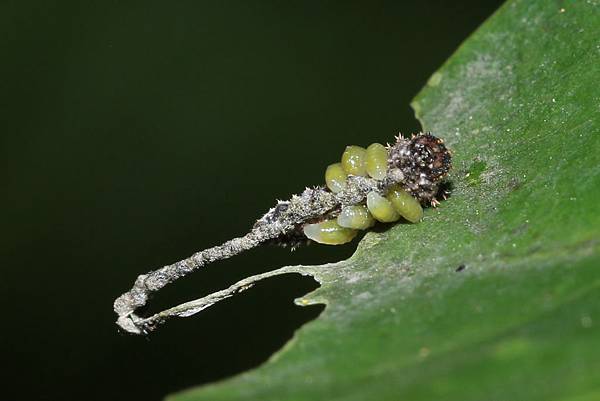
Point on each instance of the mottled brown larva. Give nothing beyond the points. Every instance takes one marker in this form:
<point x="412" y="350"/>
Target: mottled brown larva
<point x="378" y="183"/>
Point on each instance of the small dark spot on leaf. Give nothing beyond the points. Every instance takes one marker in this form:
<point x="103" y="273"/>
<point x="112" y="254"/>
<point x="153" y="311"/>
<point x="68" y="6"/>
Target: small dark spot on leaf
<point x="460" y="268"/>
<point x="514" y="184"/>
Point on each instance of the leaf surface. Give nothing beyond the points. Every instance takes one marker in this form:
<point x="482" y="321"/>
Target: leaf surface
<point x="495" y="295"/>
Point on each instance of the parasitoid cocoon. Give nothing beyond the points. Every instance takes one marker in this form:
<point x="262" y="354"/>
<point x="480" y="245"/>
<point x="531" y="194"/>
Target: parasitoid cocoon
<point x="357" y="217"/>
<point x="407" y="206"/>
<point x="329" y="232"/>
<point x="335" y="177"/>
<point x="354" y="160"/>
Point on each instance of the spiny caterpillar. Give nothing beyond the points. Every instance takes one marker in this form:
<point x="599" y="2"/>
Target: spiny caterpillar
<point x="378" y="183"/>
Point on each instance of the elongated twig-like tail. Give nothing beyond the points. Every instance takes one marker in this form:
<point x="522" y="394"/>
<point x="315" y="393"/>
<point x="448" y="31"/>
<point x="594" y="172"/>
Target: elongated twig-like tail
<point x="146" y="284"/>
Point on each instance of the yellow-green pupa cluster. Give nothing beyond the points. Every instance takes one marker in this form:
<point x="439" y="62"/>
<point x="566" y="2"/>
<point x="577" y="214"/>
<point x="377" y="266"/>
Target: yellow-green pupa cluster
<point x="397" y="203"/>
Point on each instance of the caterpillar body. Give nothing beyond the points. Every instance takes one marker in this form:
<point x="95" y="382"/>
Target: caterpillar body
<point x="404" y="177"/>
<point x="376" y="184"/>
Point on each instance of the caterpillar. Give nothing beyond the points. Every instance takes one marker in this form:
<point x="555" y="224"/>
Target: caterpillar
<point x="376" y="184"/>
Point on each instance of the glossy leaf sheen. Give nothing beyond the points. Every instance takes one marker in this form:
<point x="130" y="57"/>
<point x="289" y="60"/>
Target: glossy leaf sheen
<point x="495" y="295"/>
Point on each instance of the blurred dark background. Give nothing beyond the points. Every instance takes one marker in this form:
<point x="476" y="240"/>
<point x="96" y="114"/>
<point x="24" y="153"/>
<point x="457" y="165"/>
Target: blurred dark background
<point x="136" y="133"/>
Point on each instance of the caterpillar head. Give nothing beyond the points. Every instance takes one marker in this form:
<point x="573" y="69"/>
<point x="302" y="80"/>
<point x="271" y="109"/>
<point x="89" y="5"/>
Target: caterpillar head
<point x="424" y="161"/>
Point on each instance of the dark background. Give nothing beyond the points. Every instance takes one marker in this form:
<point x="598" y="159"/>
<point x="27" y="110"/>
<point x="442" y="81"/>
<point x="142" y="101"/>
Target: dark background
<point x="135" y="133"/>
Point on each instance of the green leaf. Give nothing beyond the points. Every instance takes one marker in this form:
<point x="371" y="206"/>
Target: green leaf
<point x="496" y="294"/>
